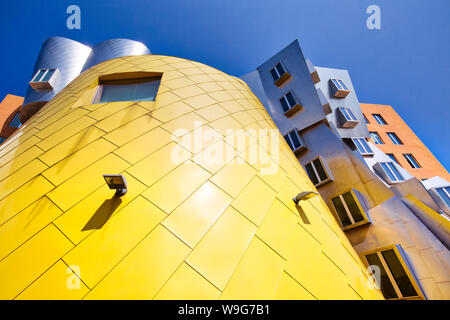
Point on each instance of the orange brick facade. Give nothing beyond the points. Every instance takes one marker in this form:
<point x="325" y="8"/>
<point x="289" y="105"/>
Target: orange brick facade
<point x="7" y="111"/>
<point x="429" y="165"/>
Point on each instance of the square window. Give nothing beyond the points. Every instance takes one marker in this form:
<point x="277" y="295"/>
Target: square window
<point x="349" y="210"/>
<point x="347" y="118"/>
<point x="395" y="139"/>
<point x="289" y="104"/>
<point x="338" y="88"/>
<point x="379" y="119"/>
<point x="294" y="141"/>
<point x="44" y="79"/>
<point x="389" y="172"/>
<point x="15" y="122"/>
<point x="376" y="138"/>
<point x="362" y="146"/>
<point x="318" y="172"/>
<point x="141" y="89"/>
<point x="279" y="74"/>
<point x="392" y="271"/>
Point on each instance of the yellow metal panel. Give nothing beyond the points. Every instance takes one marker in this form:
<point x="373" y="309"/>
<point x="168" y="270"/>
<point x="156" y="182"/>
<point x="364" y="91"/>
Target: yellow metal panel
<point x="109" y="108"/>
<point x="120" y="118"/>
<point x="200" y="78"/>
<point x="69" y="146"/>
<point x="243" y="117"/>
<point x="186" y="283"/>
<point x="193" y="218"/>
<point x="93" y="211"/>
<point x="8" y="168"/>
<point x="226" y="123"/>
<point x="216" y="156"/>
<point x="79" y="186"/>
<point x="187" y="92"/>
<point x="77" y="161"/>
<point x="255" y="200"/>
<point x="101" y="251"/>
<point x="180" y="125"/>
<point x="234" y="177"/>
<point x="257" y="275"/>
<point x="20" y="177"/>
<point x="17" y="148"/>
<point x="132" y="129"/>
<point x="200" y="101"/>
<point x="210" y="86"/>
<point x="65" y="133"/>
<point x="171" y="111"/>
<point x="144" y="145"/>
<point x="289" y="289"/>
<point x="176" y="186"/>
<point x="166" y="98"/>
<point x="199" y="139"/>
<point x="142" y="273"/>
<point x="25" y="224"/>
<point x="220" y="96"/>
<point x="61" y="123"/>
<point x="28" y="262"/>
<point x="218" y="253"/>
<point x="57" y="283"/>
<point x="213" y="112"/>
<point x="176" y="83"/>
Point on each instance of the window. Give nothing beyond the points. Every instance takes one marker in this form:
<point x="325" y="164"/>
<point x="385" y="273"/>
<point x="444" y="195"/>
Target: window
<point x="349" y="210"/>
<point x="348" y="119"/>
<point x="143" y="89"/>
<point x="44" y="79"/>
<point x="444" y="193"/>
<point x="379" y="119"/>
<point x="317" y="172"/>
<point x="363" y="146"/>
<point x="411" y="160"/>
<point x="396" y="279"/>
<point x="391" y="171"/>
<point x="294" y="141"/>
<point x="279" y="74"/>
<point x="2" y="139"/>
<point x="15" y="122"/>
<point x="394" y="138"/>
<point x="376" y="138"/>
<point x="289" y="104"/>
<point x="365" y="118"/>
<point x="338" y="88"/>
<point x="393" y="158"/>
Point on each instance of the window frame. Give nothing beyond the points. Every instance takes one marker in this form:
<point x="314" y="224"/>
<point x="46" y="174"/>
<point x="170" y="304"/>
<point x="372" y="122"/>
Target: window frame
<point x="371" y="153"/>
<point x="339" y="88"/>
<point x="347" y="122"/>
<point x="393" y="157"/>
<point x="365" y="119"/>
<point x="354" y="224"/>
<point x="302" y="144"/>
<point x="405" y="265"/>
<point x="394" y="138"/>
<point x="382" y="121"/>
<point x="292" y="109"/>
<point x="412" y="160"/>
<point x="40" y="83"/>
<point x="392" y="173"/>
<point x="281" y="78"/>
<point x="16" y="115"/>
<point x="371" y="133"/>
<point x="325" y="168"/>
<point x="446" y="192"/>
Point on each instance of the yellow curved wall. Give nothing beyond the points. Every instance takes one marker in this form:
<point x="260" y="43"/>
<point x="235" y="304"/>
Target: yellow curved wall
<point x="189" y="229"/>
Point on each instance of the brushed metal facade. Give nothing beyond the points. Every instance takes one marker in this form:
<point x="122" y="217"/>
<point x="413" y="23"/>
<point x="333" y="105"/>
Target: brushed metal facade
<point x="114" y="48"/>
<point x="67" y="55"/>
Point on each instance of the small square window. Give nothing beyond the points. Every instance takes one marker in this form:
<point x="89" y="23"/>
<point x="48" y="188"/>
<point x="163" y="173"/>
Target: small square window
<point x="362" y="146"/>
<point x="395" y="139"/>
<point x="44" y="79"/>
<point x="338" y="88"/>
<point x="349" y="210"/>
<point x="279" y="74"/>
<point x="294" y="141"/>
<point x="141" y="89"/>
<point x="318" y="172"/>
<point x="376" y="138"/>
<point x="390" y="267"/>
<point x="347" y="118"/>
<point x="289" y="104"/>
<point x="379" y="119"/>
<point x="411" y="160"/>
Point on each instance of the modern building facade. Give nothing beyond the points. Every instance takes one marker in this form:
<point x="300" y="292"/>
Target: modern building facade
<point x="9" y="115"/>
<point x="259" y="187"/>
<point x="396" y="139"/>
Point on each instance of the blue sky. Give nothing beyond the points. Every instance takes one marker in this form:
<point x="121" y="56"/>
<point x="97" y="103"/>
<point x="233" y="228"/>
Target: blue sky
<point x="406" y="64"/>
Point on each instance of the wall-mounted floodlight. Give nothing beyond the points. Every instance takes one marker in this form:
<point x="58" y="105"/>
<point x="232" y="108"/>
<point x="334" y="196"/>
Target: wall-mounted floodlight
<point x="116" y="182"/>
<point x="305" y="195"/>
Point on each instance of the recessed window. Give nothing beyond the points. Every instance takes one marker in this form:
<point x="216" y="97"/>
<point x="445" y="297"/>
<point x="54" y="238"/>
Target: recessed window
<point x="2" y="139"/>
<point x="289" y="104"/>
<point x="396" y="278"/>
<point x="279" y="74"/>
<point x="391" y="172"/>
<point x="444" y="193"/>
<point x="411" y="160"/>
<point x="142" y="89"/>
<point x="365" y="118"/>
<point x="379" y="119"/>
<point x="363" y="146"/>
<point x="338" y="88"/>
<point x="393" y="158"/>
<point x="15" y="122"/>
<point x="376" y="138"/>
<point x="44" y="79"/>
<point x="395" y="139"/>
<point x="318" y="172"/>
<point x="349" y="210"/>
<point x="294" y="141"/>
<point x="347" y="118"/>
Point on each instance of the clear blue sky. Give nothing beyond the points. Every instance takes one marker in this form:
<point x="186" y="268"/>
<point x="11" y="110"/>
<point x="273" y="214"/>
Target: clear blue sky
<point x="405" y="64"/>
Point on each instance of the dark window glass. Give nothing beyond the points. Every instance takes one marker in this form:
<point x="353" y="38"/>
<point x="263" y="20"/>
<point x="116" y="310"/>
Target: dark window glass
<point x="365" y="118"/>
<point x="337" y="203"/>
<point x="386" y="285"/>
<point x="290" y="98"/>
<point x="284" y="104"/>
<point x="390" y="155"/>
<point x="353" y="207"/>
<point x="286" y="137"/>
<point x="400" y="276"/>
<point x="38" y="76"/>
<point x="48" y="75"/>
<point x="280" y="69"/>
<point x="379" y="119"/>
<point x="130" y="90"/>
<point x="444" y="195"/>
<point x="343" y="85"/>
<point x="411" y="160"/>
<point x="15" y="122"/>
<point x="274" y="74"/>
<point x="320" y="170"/>
<point x="2" y="139"/>
<point x="311" y="174"/>
<point x="336" y="83"/>
<point x="295" y="139"/>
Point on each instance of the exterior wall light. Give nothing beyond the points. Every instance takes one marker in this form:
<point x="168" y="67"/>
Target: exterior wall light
<point x="305" y="195"/>
<point x="116" y="182"/>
